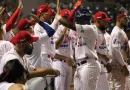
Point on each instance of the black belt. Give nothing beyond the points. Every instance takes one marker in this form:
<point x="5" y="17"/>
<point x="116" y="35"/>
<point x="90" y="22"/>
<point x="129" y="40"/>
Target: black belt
<point x="83" y="62"/>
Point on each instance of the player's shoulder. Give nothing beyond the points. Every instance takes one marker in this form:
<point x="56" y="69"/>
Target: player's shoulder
<point x="116" y="31"/>
<point x="89" y="26"/>
<point x="4" y="42"/>
<point x="11" y="52"/>
<point x="36" y="25"/>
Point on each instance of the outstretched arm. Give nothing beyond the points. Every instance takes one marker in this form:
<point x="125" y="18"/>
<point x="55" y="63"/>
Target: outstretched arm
<point x="65" y="22"/>
<point x="14" y="17"/>
<point x="76" y="7"/>
<point x="39" y="72"/>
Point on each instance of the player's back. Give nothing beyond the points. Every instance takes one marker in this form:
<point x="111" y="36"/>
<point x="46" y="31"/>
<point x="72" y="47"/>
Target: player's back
<point x="86" y="41"/>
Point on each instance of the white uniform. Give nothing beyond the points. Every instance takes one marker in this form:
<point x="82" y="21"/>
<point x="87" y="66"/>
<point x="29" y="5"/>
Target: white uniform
<point x="5" y="46"/>
<point x="36" y="57"/>
<point x="48" y="47"/>
<point x="88" y="68"/>
<point x="63" y="81"/>
<point x="32" y="83"/>
<point x="5" y="85"/>
<point x="118" y="45"/>
<point x="128" y="78"/>
<point x="8" y="35"/>
<point x="102" y="48"/>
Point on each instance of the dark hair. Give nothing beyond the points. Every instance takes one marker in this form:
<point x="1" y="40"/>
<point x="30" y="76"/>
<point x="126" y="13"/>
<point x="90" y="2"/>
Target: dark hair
<point x="12" y="70"/>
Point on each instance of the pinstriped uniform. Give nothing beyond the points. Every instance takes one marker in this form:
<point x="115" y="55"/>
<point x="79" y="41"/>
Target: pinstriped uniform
<point x="86" y="74"/>
<point x="102" y="48"/>
<point x="127" y="87"/>
<point x="63" y="81"/>
<point x="118" y="44"/>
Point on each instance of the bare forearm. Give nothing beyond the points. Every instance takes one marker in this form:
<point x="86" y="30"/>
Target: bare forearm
<point x="103" y="56"/>
<point x="60" y="40"/>
<point x="60" y="57"/>
<point x="67" y="23"/>
<point x="41" y="72"/>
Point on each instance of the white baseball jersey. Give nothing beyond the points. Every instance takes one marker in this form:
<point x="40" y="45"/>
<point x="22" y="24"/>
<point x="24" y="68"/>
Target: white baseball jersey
<point x="5" y="46"/>
<point x="118" y="45"/>
<point x="5" y="85"/>
<point x="102" y="45"/>
<point x="64" y="80"/>
<point x="86" y="42"/>
<point x="102" y="48"/>
<point x="66" y="48"/>
<point x="86" y="74"/>
<point x="128" y="78"/>
<point x="38" y="82"/>
<point x="36" y="57"/>
<point x="12" y="54"/>
<point x="8" y="35"/>
<point x="127" y="87"/>
<point x="47" y="48"/>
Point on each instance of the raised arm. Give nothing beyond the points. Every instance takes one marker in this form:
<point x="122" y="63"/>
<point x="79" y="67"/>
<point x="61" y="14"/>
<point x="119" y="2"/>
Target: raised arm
<point x="76" y="7"/>
<point x="66" y="22"/>
<point x="14" y="17"/>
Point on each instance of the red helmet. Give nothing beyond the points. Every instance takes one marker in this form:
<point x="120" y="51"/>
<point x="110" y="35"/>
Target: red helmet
<point x="65" y="12"/>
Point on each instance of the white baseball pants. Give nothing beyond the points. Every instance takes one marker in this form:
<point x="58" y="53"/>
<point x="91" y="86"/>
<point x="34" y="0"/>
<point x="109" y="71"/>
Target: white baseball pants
<point x="63" y="81"/>
<point x="86" y="75"/>
<point x="103" y="83"/>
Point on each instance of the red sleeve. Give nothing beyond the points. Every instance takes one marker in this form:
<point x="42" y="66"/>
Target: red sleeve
<point x="12" y="20"/>
<point x="76" y="7"/>
<point x="70" y="17"/>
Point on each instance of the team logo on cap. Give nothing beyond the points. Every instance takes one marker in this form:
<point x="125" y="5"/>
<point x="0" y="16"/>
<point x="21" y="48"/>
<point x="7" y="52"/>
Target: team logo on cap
<point x="22" y="40"/>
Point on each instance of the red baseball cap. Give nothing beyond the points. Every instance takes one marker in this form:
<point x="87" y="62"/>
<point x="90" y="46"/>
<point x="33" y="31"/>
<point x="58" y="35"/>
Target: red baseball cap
<point x="23" y="36"/>
<point x="24" y="23"/>
<point x="101" y="15"/>
<point x="64" y="12"/>
<point x="42" y="9"/>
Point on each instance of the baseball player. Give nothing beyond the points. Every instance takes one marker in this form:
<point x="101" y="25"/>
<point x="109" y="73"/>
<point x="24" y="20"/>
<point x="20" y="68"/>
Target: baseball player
<point x="48" y="50"/>
<point x="5" y="46"/>
<point x="102" y="48"/>
<point x="36" y="56"/>
<point x="88" y="68"/>
<point x="118" y="45"/>
<point x="23" y="45"/>
<point x="9" y="21"/>
<point x="63" y="81"/>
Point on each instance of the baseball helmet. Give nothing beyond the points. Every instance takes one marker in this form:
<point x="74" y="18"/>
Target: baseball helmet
<point x="82" y="14"/>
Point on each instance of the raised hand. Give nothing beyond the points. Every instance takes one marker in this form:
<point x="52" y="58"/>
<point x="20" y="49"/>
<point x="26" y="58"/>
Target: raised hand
<point x="78" y="4"/>
<point x="20" y="4"/>
<point x="35" y="17"/>
<point x="1" y="11"/>
<point x="58" y="7"/>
